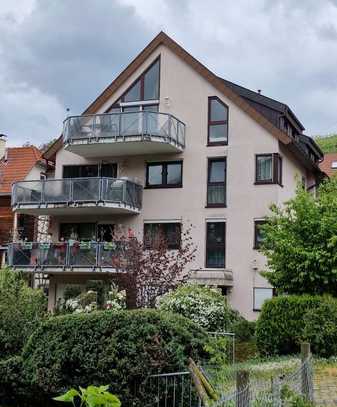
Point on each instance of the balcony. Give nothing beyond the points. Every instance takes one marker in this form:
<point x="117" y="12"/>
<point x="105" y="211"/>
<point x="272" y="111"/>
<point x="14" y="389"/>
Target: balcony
<point x="77" y="196"/>
<point x="64" y="257"/>
<point x="128" y="133"/>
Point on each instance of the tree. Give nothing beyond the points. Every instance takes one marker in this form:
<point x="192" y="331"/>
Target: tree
<point x="328" y="144"/>
<point x="300" y="242"/>
<point x="21" y="311"/>
<point x="149" y="273"/>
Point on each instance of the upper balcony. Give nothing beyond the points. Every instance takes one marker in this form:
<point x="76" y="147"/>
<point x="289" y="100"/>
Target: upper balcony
<point x="125" y="133"/>
<point x="77" y="196"/>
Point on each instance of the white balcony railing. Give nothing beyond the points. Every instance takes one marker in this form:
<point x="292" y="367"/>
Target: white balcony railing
<point x="122" y="127"/>
<point x="77" y="191"/>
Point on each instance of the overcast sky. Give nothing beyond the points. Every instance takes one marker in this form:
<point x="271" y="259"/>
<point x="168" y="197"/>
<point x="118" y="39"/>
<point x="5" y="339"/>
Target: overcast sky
<point x="59" y="54"/>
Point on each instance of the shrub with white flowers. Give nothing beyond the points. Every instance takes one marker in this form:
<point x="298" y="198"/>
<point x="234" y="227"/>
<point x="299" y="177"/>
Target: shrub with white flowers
<point x="203" y="305"/>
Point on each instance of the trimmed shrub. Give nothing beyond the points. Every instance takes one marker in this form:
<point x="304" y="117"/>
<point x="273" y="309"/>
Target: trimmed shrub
<point x="203" y="305"/>
<point x="279" y="328"/>
<point x="244" y="330"/>
<point x="11" y="379"/>
<point x="119" y="348"/>
<point x="21" y="311"/>
<point x="320" y="328"/>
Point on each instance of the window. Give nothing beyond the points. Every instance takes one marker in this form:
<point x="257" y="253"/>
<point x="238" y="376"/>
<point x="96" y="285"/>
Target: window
<point x="78" y="231"/>
<point x="260" y="296"/>
<point x="164" y="174"/>
<point x="217" y="122"/>
<point x="146" y="86"/>
<point x="87" y="171"/>
<point x="258" y="234"/>
<point x="334" y="165"/>
<point x="154" y="233"/>
<point x="268" y="169"/>
<point x="216" y="182"/>
<point x="215" y="244"/>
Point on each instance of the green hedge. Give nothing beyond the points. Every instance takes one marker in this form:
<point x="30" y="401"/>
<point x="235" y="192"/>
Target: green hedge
<point x="320" y="328"/>
<point x="280" y="326"/>
<point x="118" y="348"/>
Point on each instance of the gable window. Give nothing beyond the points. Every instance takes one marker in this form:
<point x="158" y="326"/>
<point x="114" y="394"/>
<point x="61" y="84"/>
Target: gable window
<point x="155" y="233"/>
<point x="215" y="244"/>
<point x="146" y="86"/>
<point x="268" y="169"/>
<point x="258" y="233"/>
<point x="166" y="174"/>
<point x="260" y="296"/>
<point x="216" y="182"/>
<point x="217" y="122"/>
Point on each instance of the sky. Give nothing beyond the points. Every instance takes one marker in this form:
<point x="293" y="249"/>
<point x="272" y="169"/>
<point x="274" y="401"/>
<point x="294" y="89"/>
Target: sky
<point x="60" y="54"/>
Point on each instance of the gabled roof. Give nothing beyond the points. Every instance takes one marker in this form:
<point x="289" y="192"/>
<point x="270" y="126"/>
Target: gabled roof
<point x="249" y="101"/>
<point x="326" y="164"/>
<point x="16" y="165"/>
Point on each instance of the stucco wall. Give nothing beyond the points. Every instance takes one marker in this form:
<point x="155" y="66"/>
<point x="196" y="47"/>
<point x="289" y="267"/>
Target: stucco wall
<point x="187" y="94"/>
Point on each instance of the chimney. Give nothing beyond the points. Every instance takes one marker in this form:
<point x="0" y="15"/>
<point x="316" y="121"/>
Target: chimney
<point x="2" y="145"/>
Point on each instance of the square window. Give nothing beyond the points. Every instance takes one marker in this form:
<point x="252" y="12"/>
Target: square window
<point x="166" y="174"/>
<point x="268" y="169"/>
<point x="158" y="233"/>
<point x="260" y="296"/>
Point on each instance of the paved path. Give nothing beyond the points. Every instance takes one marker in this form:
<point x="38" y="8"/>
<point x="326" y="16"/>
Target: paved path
<point x="325" y="386"/>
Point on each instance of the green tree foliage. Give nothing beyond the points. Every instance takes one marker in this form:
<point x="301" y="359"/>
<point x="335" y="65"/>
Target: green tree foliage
<point x="300" y="242"/>
<point x="203" y="305"/>
<point x="21" y="311"/>
<point x="120" y="348"/>
<point x="279" y="328"/>
<point x="328" y="144"/>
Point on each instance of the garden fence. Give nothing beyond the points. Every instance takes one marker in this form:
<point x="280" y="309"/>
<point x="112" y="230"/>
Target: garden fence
<point x="231" y="386"/>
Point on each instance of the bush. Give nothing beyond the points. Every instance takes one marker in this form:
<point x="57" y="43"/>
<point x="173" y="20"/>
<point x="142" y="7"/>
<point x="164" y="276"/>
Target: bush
<point x="118" y="348"/>
<point x="244" y="330"/>
<point x="320" y="328"/>
<point x="11" y="378"/>
<point x="279" y="328"/>
<point x="21" y="311"/>
<point x="205" y="306"/>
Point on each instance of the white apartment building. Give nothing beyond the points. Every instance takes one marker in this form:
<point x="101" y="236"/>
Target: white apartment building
<point x="167" y="144"/>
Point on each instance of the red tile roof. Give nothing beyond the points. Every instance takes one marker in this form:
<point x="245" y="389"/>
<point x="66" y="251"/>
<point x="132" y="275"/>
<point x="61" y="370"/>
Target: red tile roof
<point x="326" y="164"/>
<point x="16" y="165"/>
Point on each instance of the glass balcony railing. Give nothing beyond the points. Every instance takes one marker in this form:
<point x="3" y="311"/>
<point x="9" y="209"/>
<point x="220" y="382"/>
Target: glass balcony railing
<point x="77" y="190"/>
<point x="126" y="126"/>
<point x="89" y="255"/>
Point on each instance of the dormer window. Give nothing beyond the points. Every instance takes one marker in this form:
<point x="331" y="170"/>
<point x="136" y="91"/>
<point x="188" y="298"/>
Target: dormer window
<point x="146" y="86"/>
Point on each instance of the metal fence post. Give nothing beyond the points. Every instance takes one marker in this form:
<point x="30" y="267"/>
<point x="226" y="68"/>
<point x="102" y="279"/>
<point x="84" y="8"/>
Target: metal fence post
<point x="306" y="378"/>
<point x="242" y="388"/>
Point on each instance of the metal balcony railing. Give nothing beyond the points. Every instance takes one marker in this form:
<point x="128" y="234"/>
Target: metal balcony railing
<point x="123" y="126"/>
<point x="89" y="255"/>
<point x="77" y="190"/>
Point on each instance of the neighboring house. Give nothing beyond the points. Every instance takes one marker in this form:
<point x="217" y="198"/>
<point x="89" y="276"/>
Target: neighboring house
<point x="17" y="164"/>
<point x="167" y="144"/>
<point x="329" y="164"/>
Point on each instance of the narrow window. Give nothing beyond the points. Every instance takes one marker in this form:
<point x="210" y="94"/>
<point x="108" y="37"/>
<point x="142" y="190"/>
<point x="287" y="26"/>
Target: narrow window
<point x="260" y="296"/>
<point x="334" y="165"/>
<point x="164" y="174"/>
<point x="156" y="233"/>
<point x="258" y="233"/>
<point x="268" y="169"/>
<point x="217" y="122"/>
<point x="216" y="182"/>
<point x="215" y="244"/>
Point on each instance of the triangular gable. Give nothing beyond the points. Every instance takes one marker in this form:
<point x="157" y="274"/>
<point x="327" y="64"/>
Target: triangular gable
<point x="218" y="83"/>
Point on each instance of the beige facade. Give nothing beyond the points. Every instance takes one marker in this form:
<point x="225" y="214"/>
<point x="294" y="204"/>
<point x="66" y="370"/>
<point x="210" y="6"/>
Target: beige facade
<point x="184" y="93"/>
